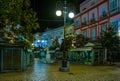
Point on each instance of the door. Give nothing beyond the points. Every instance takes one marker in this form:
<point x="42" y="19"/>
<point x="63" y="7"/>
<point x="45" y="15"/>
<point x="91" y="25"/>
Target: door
<point x="7" y="59"/>
<point x="16" y="59"/>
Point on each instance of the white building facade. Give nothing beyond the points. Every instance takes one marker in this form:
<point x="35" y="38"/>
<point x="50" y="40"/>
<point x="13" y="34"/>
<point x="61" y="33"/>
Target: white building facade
<point x="52" y="34"/>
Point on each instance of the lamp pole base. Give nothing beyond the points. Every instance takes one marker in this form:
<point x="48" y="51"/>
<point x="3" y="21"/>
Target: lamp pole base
<point x="65" y="66"/>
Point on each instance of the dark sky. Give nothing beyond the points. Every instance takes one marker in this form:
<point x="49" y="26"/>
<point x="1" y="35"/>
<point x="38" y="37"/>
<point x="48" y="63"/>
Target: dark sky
<point x="46" y="12"/>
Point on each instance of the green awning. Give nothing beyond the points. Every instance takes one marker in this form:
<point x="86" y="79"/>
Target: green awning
<point x="82" y="49"/>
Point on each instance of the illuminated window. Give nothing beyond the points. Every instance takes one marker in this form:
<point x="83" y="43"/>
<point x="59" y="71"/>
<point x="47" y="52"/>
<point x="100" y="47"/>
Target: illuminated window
<point x="85" y="34"/>
<point x="114" y="24"/>
<point x="85" y="20"/>
<point x="93" y="34"/>
<point x="93" y="17"/>
<point x="113" y="6"/>
<point x="103" y="11"/>
<point x="77" y="23"/>
<point x="104" y="28"/>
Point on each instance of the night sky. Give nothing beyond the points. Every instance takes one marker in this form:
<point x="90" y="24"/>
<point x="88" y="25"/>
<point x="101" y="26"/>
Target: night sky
<point x="46" y="12"/>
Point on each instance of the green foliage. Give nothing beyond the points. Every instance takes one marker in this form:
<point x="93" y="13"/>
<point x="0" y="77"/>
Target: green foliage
<point x="67" y="43"/>
<point x="81" y="40"/>
<point x="55" y="44"/>
<point x="10" y="11"/>
<point x="14" y="12"/>
<point x="109" y="38"/>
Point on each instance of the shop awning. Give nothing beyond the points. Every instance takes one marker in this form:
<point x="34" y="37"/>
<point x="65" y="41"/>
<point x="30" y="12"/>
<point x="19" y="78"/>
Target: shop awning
<point x="82" y="49"/>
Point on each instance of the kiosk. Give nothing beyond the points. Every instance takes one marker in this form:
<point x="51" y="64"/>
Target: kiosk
<point x="91" y="54"/>
<point x="12" y="58"/>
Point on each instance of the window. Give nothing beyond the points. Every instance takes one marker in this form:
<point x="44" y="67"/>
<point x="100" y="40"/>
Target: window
<point x="83" y="9"/>
<point x="85" y="34"/>
<point x="92" y="3"/>
<point x="93" y="17"/>
<point x="84" y="19"/>
<point x="104" y="28"/>
<point x="113" y="6"/>
<point x="93" y="34"/>
<point x="103" y="11"/>
<point x="77" y="23"/>
<point x="114" y="24"/>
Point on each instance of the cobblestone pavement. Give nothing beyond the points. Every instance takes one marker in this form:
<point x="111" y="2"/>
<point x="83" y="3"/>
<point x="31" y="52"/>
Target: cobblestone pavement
<point x="50" y="72"/>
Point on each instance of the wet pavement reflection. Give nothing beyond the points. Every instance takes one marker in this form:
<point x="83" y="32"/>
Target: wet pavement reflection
<point x="50" y="72"/>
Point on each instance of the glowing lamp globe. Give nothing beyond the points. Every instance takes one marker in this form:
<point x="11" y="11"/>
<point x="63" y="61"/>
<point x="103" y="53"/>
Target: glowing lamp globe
<point x="58" y="12"/>
<point x="71" y="14"/>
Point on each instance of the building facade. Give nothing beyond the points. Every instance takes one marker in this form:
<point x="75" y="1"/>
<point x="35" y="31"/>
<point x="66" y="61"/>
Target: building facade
<point x="97" y="15"/>
<point x="52" y="34"/>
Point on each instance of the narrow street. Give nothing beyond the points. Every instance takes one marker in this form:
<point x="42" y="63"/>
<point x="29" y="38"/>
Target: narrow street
<point x="50" y="72"/>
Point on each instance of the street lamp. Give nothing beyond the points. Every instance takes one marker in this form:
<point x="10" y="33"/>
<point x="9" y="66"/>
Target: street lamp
<point x="59" y="13"/>
<point x="63" y="8"/>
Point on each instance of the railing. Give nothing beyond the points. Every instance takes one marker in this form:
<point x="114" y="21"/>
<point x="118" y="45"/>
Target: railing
<point x="92" y="19"/>
<point x="104" y="15"/>
<point x="96" y="38"/>
<point x="83" y="23"/>
<point x="115" y="10"/>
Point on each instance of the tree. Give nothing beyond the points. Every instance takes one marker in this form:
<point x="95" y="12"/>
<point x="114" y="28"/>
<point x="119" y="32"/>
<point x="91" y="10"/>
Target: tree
<point x="81" y="40"/>
<point x="67" y="43"/>
<point x="18" y="18"/>
<point x="29" y="20"/>
<point x="55" y="44"/>
<point x="109" y="40"/>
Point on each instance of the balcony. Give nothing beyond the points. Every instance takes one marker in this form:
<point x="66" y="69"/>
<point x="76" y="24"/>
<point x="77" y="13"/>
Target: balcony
<point x="92" y="20"/>
<point x="114" y="10"/>
<point x="84" y="23"/>
<point x="94" y="39"/>
<point x="104" y="15"/>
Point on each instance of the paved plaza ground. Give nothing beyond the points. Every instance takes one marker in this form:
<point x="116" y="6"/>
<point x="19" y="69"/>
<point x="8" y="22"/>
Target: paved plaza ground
<point x="50" y="72"/>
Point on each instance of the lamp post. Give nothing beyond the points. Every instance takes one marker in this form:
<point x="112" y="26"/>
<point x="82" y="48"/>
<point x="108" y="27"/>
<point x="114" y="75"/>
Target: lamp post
<point x="64" y="10"/>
